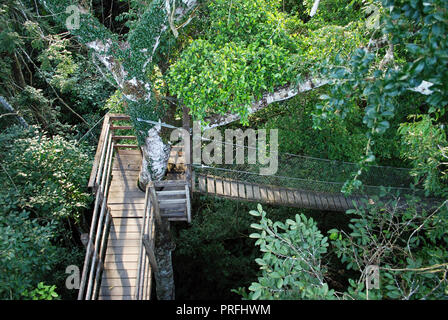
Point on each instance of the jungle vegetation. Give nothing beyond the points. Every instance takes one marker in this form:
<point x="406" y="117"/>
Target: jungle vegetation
<point x="377" y="79"/>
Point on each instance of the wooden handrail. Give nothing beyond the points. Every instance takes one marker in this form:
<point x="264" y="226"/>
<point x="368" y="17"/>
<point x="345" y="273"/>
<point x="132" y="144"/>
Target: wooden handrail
<point x="94" y="258"/>
<point x="107" y="130"/>
<point x="146" y="247"/>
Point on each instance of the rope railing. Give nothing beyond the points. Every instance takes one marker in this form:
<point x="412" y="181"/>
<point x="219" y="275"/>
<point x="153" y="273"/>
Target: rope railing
<point x="308" y="173"/>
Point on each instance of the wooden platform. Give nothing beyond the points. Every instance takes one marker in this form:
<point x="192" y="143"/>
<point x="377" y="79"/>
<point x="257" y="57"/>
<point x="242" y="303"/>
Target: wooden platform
<point x="126" y="202"/>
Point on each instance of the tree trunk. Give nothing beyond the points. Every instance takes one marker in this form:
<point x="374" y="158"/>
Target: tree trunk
<point x="163" y="247"/>
<point x="155" y="157"/>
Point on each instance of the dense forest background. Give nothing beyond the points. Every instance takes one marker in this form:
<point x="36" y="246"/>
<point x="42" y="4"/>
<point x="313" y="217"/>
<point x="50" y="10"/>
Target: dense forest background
<point x="374" y="54"/>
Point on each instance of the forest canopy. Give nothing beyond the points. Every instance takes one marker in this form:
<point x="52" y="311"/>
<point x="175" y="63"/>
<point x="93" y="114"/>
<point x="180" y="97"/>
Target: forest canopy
<point x="360" y="81"/>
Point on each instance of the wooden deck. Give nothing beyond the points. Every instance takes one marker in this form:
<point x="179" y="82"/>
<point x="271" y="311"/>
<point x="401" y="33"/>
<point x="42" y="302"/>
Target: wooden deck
<point x="126" y="202"/>
<point x="246" y="191"/>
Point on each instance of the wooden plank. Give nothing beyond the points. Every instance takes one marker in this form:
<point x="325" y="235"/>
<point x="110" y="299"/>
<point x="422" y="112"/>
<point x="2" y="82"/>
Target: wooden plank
<point x="122" y="156"/>
<point x="119" y="274"/>
<point x="263" y="194"/>
<point x="219" y="187"/>
<point x="107" y="291"/>
<point x="124" y="138"/>
<point x="227" y="188"/>
<point x="170" y="192"/>
<point x="300" y="199"/>
<point x="188" y="204"/>
<point x="117" y="265"/>
<point x="125" y="174"/>
<point x="128" y="194"/>
<point x="270" y="195"/>
<point x="124" y="152"/>
<point x="123" y="199"/>
<point x="291" y="197"/>
<point x="150" y="254"/>
<point x="202" y="184"/>
<point x="256" y="190"/>
<point x="312" y="197"/>
<point x="113" y="127"/>
<point x="154" y="202"/>
<point x="123" y="243"/>
<point x="124" y="234"/>
<point x="276" y="195"/>
<point x="133" y="146"/>
<point x="121" y="257"/>
<point x="169" y="183"/>
<point x="241" y="191"/>
<point x="117" y="166"/>
<point x="118" y="117"/>
<point x="234" y="189"/>
<point x="210" y="185"/>
<point x="122" y="250"/>
<point x="127" y="206"/>
<point x="116" y="298"/>
<point x="116" y="282"/>
<point x="124" y="187"/>
<point x="167" y="202"/>
<point x="249" y="192"/>
<point x="124" y="229"/>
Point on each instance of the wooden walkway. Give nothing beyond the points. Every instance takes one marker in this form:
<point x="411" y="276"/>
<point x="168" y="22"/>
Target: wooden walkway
<point x="120" y="249"/>
<point x="243" y="190"/>
<point x="127" y="203"/>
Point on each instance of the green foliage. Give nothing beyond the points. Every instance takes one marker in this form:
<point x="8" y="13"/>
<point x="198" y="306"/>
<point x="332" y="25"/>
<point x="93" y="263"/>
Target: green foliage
<point x="326" y="45"/>
<point x="216" y="251"/>
<point x="216" y="244"/>
<point x="341" y="139"/>
<point x="254" y="50"/>
<point x="57" y="64"/>
<point x="337" y="12"/>
<point x="43" y="183"/>
<point x="425" y="144"/>
<point x="42" y="292"/>
<point x="46" y="175"/>
<point x="291" y="266"/>
<point x="240" y="58"/>
<point x="407" y="244"/>
<point x="416" y="30"/>
<point x="27" y="254"/>
<point x="211" y="80"/>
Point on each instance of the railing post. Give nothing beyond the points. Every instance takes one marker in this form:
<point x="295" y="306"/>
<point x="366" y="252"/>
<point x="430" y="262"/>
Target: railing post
<point x="149" y="248"/>
<point x="155" y="203"/>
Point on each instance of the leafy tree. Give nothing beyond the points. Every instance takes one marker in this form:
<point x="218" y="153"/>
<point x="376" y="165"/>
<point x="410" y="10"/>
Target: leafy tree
<point x="42" y="292"/>
<point x="407" y="245"/>
<point x="43" y="194"/>
<point x="291" y="265"/>
<point x="415" y="59"/>
<point x="27" y="252"/>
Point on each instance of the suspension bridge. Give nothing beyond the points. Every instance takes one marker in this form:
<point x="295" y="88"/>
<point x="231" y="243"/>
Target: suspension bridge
<point x="120" y="261"/>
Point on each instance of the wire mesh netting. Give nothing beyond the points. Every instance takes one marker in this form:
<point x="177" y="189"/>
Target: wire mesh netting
<point x="242" y="162"/>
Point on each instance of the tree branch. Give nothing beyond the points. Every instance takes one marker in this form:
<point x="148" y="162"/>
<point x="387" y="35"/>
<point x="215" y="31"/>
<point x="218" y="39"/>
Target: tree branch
<point x="280" y="94"/>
